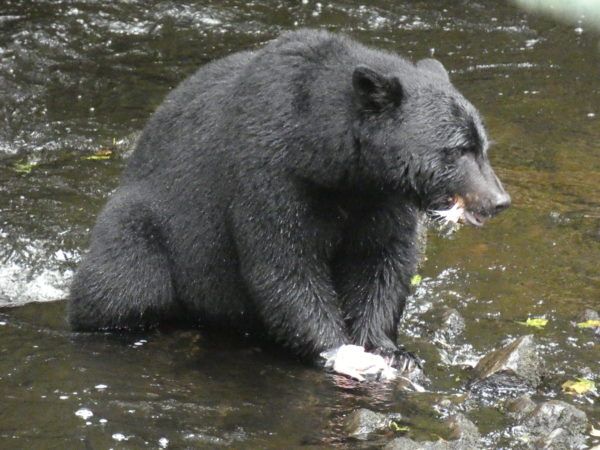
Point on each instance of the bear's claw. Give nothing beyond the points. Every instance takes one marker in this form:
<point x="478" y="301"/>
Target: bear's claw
<point x="400" y="359"/>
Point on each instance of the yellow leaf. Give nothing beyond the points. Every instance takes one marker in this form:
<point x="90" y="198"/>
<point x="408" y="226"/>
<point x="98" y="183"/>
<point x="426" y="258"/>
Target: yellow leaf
<point x="537" y="322"/>
<point x="100" y="155"/>
<point x="397" y="428"/>
<point x="416" y="280"/>
<point x="581" y="386"/>
<point x="24" y="167"/>
<point x="589" y="324"/>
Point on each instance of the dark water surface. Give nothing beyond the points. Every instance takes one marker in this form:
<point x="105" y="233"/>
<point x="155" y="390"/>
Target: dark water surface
<point x="77" y="77"/>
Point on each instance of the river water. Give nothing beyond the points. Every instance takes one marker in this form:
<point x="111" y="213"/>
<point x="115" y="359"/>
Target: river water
<point x="78" y="77"/>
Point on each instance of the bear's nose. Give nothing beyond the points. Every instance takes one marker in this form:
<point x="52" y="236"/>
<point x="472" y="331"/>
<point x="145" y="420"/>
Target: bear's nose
<point x="501" y="202"/>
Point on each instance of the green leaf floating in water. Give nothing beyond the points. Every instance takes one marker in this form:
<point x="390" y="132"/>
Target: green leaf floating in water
<point x="416" y="280"/>
<point x="536" y="322"/>
<point x="24" y="167"/>
<point x="579" y="387"/>
<point x="589" y="324"/>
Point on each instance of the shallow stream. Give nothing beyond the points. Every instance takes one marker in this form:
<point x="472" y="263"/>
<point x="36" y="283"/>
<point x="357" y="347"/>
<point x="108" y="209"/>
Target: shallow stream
<point x="80" y="77"/>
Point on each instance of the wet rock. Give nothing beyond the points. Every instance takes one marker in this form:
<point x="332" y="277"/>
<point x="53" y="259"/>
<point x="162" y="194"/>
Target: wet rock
<point x="126" y="145"/>
<point x="553" y="425"/>
<point x="4" y="299"/>
<point x="560" y="439"/>
<point x="403" y="443"/>
<point x="554" y="414"/>
<point x="452" y="323"/>
<point x="444" y="324"/>
<point x="462" y="429"/>
<point x="557" y="218"/>
<point x="588" y="314"/>
<point x="518" y="408"/>
<point x="515" y="367"/>
<point x="464" y="435"/>
<point x="360" y="423"/>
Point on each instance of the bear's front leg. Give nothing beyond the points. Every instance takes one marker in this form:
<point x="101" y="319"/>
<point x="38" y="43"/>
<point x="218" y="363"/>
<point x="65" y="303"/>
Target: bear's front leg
<point x="283" y="263"/>
<point x="372" y="273"/>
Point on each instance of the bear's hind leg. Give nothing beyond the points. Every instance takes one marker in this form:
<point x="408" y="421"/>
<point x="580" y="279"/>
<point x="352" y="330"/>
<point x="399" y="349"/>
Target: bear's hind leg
<point x="124" y="280"/>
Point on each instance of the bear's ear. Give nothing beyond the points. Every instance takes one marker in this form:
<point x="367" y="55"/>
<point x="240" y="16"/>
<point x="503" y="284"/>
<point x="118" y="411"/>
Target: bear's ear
<point x="434" y="66"/>
<point x="374" y="90"/>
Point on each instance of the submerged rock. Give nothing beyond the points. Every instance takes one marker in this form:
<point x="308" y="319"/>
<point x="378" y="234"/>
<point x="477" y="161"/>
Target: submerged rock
<point x="360" y="423"/>
<point x="514" y="368"/>
<point x="464" y="435"/>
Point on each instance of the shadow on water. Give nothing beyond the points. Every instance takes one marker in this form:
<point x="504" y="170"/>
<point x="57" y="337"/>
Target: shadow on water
<point x="80" y="77"/>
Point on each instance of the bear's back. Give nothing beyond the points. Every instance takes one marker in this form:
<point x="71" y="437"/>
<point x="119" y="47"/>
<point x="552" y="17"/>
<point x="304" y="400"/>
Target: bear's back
<point x="180" y="127"/>
<point x="292" y="97"/>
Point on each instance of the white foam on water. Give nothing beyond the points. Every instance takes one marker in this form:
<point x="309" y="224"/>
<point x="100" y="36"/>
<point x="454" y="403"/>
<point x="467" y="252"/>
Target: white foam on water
<point x="120" y="437"/>
<point x="7" y="149"/>
<point x="210" y="21"/>
<point x="84" y="413"/>
<point x="34" y="274"/>
<point x="19" y="285"/>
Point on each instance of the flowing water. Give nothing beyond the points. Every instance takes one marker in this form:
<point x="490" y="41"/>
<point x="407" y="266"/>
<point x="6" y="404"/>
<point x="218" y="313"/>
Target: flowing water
<point x="78" y="77"/>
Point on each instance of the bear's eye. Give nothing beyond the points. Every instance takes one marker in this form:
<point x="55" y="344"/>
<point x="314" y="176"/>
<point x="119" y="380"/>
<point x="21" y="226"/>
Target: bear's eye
<point x="466" y="150"/>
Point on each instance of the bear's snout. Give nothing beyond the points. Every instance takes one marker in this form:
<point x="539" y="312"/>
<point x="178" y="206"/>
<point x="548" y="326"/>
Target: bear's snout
<point x="481" y="206"/>
<point x="484" y="195"/>
<point x="495" y="198"/>
<point x="501" y="202"/>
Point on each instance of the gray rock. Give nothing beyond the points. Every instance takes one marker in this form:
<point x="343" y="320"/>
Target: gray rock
<point x="360" y="423"/>
<point x="552" y="425"/>
<point x="464" y="435"/>
<point x="584" y="316"/>
<point x="462" y="429"/>
<point x="588" y="314"/>
<point x="518" y="408"/>
<point x="560" y="439"/>
<point x="403" y="443"/>
<point x="557" y="425"/>
<point x="441" y="327"/>
<point x="520" y="360"/>
<point x="447" y="324"/>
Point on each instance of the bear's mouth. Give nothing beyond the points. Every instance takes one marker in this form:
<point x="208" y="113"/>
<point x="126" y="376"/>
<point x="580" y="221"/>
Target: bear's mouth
<point x="459" y="213"/>
<point x="473" y="218"/>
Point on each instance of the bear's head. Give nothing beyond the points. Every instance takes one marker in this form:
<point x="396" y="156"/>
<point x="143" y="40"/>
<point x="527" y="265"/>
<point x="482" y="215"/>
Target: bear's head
<point x="419" y="135"/>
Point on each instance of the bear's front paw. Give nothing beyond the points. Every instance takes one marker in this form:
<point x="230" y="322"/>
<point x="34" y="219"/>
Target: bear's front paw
<point x="400" y="359"/>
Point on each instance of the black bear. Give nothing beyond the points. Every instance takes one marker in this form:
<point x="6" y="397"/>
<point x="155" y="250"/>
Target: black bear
<point x="280" y="190"/>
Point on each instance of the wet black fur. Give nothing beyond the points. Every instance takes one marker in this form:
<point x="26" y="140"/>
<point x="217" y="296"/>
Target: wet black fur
<point x="280" y="190"/>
